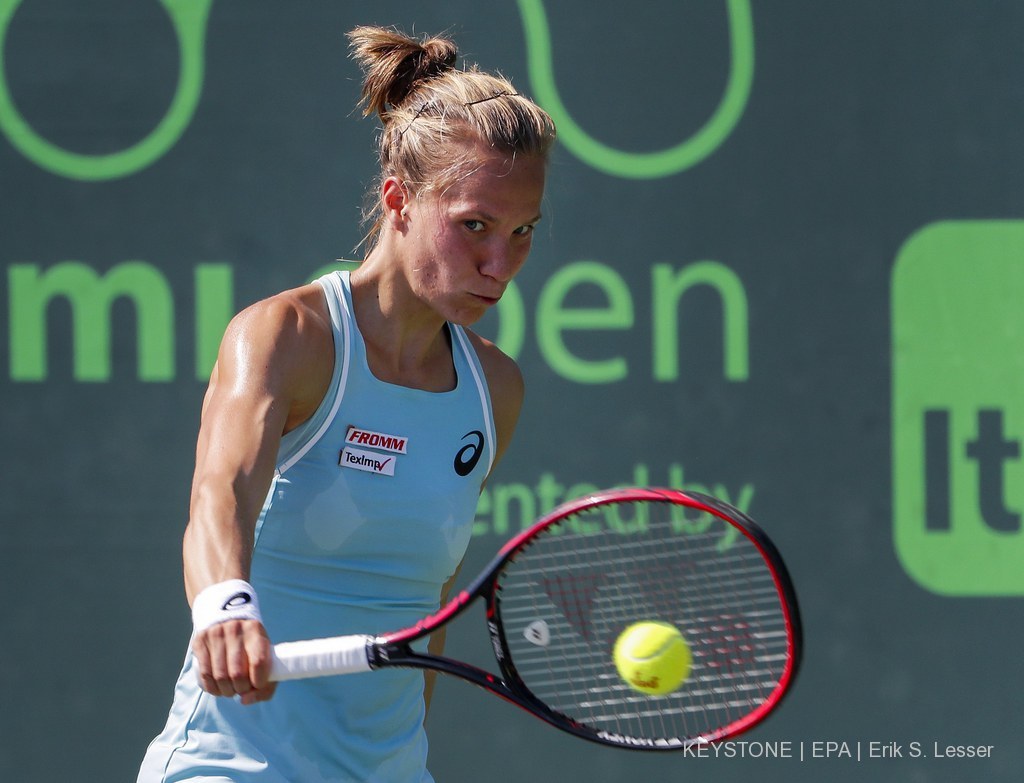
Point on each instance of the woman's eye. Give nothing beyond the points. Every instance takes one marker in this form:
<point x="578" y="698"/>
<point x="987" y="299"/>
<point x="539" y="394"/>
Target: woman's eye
<point x="475" y="225"/>
<point x="524" y="230"/>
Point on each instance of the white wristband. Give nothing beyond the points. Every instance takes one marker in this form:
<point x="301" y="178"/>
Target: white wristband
<point x="234" y="599"/>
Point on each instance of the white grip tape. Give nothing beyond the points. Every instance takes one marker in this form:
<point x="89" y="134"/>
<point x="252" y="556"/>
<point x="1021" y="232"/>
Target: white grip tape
<point x="320" y="657"/>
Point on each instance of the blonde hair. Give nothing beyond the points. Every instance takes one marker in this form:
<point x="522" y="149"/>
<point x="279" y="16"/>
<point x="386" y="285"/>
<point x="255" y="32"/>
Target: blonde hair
<point x="434" y="114"/>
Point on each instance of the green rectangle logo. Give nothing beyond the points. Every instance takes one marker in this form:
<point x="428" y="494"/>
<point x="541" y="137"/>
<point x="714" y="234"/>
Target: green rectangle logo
<point x="958" y="407"/>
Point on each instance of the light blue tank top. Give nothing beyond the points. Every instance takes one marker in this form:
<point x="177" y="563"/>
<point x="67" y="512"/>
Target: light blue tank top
<point x="369" y="514"/>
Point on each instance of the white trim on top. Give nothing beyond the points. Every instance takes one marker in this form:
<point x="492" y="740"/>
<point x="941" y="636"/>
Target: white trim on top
<point x="341" y="316"/>
<point x="481" y="386"/>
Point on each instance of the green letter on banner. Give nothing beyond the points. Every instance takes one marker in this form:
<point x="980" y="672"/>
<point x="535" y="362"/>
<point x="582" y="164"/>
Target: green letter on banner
<point x="91" y="298"/>
<point x="553" y="319"/>
<point x="668" y="287"/>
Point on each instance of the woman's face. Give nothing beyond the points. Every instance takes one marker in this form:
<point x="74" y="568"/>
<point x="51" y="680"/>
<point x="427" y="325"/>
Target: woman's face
<point x="468" y="242"/>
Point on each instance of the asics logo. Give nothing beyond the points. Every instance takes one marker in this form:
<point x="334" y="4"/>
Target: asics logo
<point x="469" y="455"/>
<point x="237" y="601"/>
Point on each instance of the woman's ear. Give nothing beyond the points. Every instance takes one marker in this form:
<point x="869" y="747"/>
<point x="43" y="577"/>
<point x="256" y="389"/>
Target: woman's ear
<point x="395" y="198"/>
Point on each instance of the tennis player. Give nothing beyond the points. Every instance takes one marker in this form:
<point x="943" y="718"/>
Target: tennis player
<point x="347" y="431"/>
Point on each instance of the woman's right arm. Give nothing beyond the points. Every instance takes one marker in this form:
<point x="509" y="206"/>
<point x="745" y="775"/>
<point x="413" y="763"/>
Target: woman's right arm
<point x="272" y="370"/>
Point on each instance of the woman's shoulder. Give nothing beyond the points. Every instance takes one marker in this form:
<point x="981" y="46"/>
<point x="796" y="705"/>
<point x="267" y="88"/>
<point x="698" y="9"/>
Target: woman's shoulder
<point x="295" y="309"/>
<point x="502" y="371"/>
<point x="505" y="382"/>
<point x="285" y="344"/>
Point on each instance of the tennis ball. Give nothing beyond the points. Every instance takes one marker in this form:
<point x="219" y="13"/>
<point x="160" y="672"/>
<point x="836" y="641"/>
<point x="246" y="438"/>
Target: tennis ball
<point x="652" y="657"/>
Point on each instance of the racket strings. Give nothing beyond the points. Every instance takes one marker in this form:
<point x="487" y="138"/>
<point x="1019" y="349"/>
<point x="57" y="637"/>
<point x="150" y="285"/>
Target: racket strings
<point x="565" y="600"/>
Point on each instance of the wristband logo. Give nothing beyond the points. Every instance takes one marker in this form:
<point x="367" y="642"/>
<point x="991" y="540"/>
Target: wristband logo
<point x="189" y="19"/>
<point x="237" y="601"/>
<point x="958" y="407"/>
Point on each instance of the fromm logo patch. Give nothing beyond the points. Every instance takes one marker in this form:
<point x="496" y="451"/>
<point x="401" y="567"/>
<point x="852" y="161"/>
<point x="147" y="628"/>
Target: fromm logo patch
<point x="396" y="444"/>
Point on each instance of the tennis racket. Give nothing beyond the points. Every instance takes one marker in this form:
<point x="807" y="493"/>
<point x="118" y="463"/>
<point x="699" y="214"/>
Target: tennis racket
<point x="558" y="595"/>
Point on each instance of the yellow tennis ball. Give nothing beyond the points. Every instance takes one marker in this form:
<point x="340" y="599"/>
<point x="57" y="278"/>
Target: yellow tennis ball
<point x="652" y="657"/>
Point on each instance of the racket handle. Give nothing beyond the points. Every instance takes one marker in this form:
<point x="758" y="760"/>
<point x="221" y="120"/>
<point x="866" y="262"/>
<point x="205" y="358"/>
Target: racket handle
<point x="320" y="657"/>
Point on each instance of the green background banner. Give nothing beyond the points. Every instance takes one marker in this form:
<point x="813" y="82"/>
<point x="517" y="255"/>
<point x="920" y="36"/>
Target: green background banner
<point x="781" y="263"/>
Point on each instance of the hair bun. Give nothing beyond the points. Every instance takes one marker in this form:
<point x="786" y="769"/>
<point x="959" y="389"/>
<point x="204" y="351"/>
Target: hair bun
<point x="440" y="55"/>
<point x="394" y="63"/>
